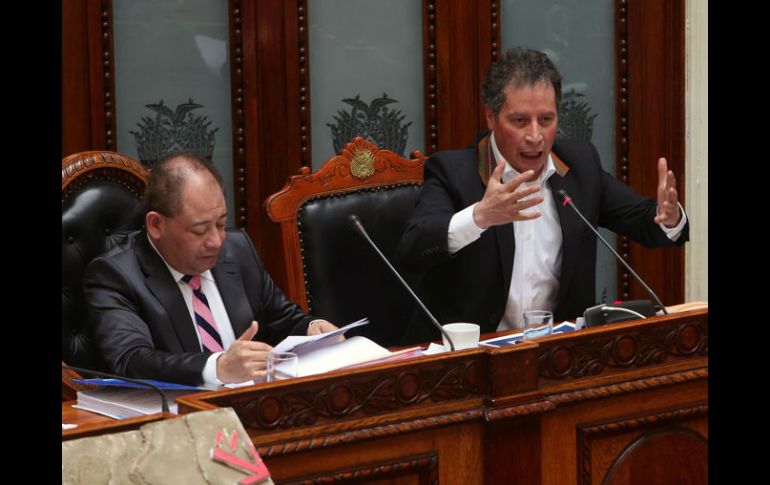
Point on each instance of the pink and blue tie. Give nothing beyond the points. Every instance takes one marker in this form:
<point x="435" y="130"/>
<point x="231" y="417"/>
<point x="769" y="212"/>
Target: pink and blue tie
<point x="204" y="320"/>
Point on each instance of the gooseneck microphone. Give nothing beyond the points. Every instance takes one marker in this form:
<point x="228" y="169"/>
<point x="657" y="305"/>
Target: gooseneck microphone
<point x="356" y="223"/>
<point x="164" y="401"/>
<point x="568" y="202"/>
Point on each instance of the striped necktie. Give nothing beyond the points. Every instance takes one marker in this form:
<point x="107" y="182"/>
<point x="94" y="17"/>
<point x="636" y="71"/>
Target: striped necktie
<point x="204" y="320"/>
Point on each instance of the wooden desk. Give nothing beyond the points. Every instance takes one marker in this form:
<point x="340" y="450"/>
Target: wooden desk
<point x="625" y="403"/>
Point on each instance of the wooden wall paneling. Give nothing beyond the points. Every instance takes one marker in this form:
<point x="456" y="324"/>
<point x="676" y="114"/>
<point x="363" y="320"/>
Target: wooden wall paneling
<point x="650" y="85"/>
<point x="274" y="104"/>
<point x="463" y="33"/>
<point x="517" y="444"/>
<point x="88" y="87"/>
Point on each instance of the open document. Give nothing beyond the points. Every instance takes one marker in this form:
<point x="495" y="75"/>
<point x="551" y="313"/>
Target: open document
<point x="326" y="352"/>
<point x="306" y="343"/>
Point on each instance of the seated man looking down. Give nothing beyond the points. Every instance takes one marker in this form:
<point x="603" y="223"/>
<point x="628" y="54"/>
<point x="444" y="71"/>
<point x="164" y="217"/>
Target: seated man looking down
<point x="186" y="300"/>
<point x="489" y="229"/>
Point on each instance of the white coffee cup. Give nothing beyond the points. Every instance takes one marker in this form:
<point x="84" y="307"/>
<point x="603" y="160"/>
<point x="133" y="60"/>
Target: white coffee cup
<point x="463" y="335"/>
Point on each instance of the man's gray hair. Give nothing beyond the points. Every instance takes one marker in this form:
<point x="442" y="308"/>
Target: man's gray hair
<point x="519" y="67"/>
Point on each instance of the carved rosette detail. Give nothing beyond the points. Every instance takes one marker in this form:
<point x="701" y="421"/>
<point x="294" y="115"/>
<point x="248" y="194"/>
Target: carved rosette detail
<point x="361" y="398"/>
<point x="657" y="345"/>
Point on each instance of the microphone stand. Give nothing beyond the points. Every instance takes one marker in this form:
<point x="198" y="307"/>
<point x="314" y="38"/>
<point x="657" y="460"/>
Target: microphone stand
<point x="568" y="202"/>
<point x="356" y="223"/>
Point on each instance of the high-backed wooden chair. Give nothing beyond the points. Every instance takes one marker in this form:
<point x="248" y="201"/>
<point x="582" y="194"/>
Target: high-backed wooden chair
<point x="333" y="273"/>
<point x="101" y="202"/>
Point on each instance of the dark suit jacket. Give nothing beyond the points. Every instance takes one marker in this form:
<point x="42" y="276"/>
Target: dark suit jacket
<point x="472" y="285"/>
<point x="142" y="326"/>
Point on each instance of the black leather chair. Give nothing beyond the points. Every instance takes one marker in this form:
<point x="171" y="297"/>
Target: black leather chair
<point x="333" y="273"/>
<point x="101" y="203"/>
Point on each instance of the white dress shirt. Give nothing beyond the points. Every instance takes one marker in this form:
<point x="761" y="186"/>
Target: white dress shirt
<point x="538" y="247"/>
<point x="217" y="307"/>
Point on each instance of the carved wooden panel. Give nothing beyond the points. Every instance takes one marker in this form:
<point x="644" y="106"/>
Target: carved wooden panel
<point x="654" y="345"/>
<point x="641" y="448"/>
<point x="383" y="410"/>
<point x="368" y="396"/>
<point x="424" y="468"/>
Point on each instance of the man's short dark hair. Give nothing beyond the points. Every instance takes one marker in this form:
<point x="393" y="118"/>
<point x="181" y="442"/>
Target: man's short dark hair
<point x="519" y="67"/>
<point x="163" y="193"/>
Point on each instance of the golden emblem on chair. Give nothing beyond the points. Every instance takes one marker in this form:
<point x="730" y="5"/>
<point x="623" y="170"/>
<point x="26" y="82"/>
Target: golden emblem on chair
<point x="362" y="164"/>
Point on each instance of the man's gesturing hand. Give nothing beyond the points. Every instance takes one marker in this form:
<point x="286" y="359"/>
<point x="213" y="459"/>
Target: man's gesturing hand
<point x="504" y="202"/>
<point x="245" y="359"/>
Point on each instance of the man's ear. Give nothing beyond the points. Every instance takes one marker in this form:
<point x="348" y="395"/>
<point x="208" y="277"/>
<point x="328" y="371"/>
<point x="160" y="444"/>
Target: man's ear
<point x="153" y="221"/>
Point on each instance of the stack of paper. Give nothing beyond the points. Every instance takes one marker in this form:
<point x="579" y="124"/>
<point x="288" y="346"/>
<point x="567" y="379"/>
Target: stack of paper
<point x="122" y="399"/>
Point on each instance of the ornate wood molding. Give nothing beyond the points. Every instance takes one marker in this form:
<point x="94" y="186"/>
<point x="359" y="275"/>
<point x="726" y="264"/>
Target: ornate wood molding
<point x="385" y="393"/>
<point x="339" y="174"/>
<point x="431" y="75"/>
<point x="401" y="397"/>
<point x="637" y="349"/>
<point x="493" y="414"/>
<point x="372" y="432"/>
<point x="360" y="165"/>
<point x="588" y="432"/>
<point x="237" y="88"/>
<point x="642" y="422"/>
<point x="108" y="74"/>
<point x="303" y="67"/>
<point x="621" y="136"/>
<point x="77" y="169"/>
<point x="627" y="387"/>
<point x="494" y="9"/>
<point x="425" y="465"/>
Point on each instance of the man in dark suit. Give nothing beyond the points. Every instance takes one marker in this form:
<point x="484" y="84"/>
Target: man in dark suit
<point x="184" y="300"/>
<point x="489" y="230"/>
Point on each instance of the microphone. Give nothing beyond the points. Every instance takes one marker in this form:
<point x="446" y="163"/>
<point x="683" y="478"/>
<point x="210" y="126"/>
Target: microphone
<point x="568" y="202"/>
<point x="356" y="223"/>
<point x="164" y="401"/>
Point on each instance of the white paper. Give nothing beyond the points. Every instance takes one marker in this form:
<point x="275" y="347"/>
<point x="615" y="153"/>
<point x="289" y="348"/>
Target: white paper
<point x="121" y="403"/>
<point x="292" y="342"/>
<point x="354" y="350"/>
<point x="434" y="348"/>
